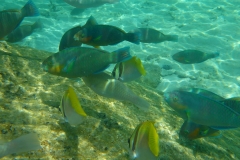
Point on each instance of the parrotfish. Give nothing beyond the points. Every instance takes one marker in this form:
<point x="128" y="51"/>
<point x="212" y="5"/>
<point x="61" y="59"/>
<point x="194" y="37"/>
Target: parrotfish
<point x="23" y="31"/>
<point x="105" y="85"/>
<point x="103" y="35"/>
<point x="88" y="3"/>
<point x="67" y="39"/>
<point x="25" y="143"/>
<point x="11" y="19"/>
<point x="203" y="110"/>
<point x="193" y="131"/>
<point x="128" y="70"/>
<point x="71" y="108"/>
<point x="233" y="103"/>
<point x="144" y="142"/>
<point x="149" y="35"/>
<point x="83" y="61"/>
<point x="206" y="93"/>
<point x="193" y="56"/>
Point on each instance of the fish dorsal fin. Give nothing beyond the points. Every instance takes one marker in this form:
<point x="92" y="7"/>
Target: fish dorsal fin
<point x="137" y="62"/>
<point x="153" y="139"/>
<point x="234" y="99"/>
<point x="75" y="102"/>
<point x="90" y="22"/>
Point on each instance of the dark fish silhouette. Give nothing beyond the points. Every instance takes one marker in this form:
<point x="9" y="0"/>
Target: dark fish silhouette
<point x="103" y="35"/>
<point x="11" y="19"/>
<point x="68" y="40"/>
<point x="193" y="56"/>
<point x="149" y="35"/>
<point x="23" y="31"/>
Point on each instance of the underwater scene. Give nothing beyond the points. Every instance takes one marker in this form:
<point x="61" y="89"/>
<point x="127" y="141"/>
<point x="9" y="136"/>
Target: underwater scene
<point x="119" y="80"/>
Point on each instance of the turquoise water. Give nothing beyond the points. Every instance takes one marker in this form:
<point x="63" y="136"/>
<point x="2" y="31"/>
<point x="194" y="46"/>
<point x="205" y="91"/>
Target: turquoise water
<point x="200" y="24"/>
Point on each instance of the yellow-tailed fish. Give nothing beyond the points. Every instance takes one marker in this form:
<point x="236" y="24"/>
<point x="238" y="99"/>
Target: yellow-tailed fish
<point x="25" y="143"/>
<point x="129" y="70"/>
<point x="144" y="142"/>
<point x="71" y="108"/>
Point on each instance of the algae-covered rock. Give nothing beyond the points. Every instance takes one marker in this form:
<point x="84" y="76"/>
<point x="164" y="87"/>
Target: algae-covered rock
<point x="153" y="75"/>
<point x="29" y="100"/>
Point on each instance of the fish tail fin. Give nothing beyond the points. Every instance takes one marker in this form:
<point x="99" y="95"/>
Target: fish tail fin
<point x="133" y="36"/>
<point x="37" y="24"/>
<point x="173" y="38"/>
<point x="30" y="9"/>
<point x="24" y="143"/>
<point x="122" y="54"/>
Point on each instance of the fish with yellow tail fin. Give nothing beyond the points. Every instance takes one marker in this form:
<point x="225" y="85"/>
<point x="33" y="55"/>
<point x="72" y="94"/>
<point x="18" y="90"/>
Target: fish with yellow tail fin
<point x="193" y="131"/>
<point x="129" y="70"/>
<point x="10" y="19"/>
<point x="25" y="143"/>
<point x="71" y="108"/>
<point x="105" y="85"/>
<point x="144" y="142"/>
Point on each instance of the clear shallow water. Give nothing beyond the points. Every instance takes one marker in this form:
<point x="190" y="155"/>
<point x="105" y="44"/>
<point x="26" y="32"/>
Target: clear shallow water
<point x="202" y="25"/>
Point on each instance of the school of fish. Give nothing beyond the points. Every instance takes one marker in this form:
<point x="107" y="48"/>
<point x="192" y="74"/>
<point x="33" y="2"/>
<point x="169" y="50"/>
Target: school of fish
<point x="204" y="113"/>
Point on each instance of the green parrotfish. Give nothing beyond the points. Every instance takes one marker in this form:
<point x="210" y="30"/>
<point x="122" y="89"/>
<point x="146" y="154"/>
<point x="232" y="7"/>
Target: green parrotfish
<point x="193" y="56"/>
<point x="82" y="61"/>
<point x="203" y="110"/>
<point x="11" y="19"/>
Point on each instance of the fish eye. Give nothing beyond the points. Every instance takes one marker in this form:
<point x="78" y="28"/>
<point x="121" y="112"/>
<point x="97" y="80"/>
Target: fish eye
<point x="175" y="99"/>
